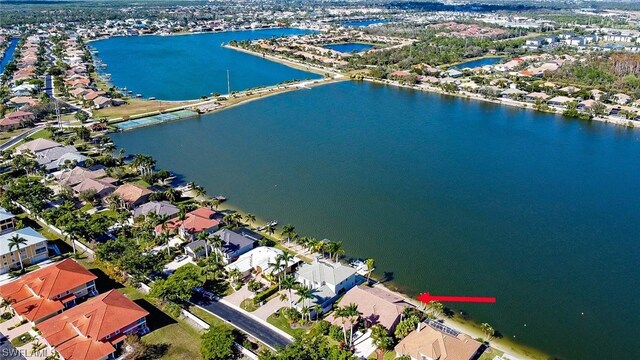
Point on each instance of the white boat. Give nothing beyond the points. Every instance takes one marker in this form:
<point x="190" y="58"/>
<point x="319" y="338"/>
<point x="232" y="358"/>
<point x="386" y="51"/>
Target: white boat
<point x="273" y="223"/>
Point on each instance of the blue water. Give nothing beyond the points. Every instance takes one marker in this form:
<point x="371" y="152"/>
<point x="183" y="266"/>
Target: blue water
<point x="478" y="63"/>
<point x="349" y="47"/>
<point x="8" y="54"/>
<point x="449" y="195"/>
<point x="190" y="66"/>
<point x="361" y="23"/>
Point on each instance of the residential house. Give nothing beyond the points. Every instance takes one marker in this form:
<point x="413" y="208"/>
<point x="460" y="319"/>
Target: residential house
<point x="8" y="124"/>
<point x="376" y="304"/>
<point x="102" y="102"/>
<point x="621" y="99"/>
<point x="596" y="94"/>
<point x="233" y="244"/>
<point x="327" y="280"/>
<point x="52" y="159"/>
<point x="453" y="73"/>
<point x="16" y="119"/>
<point x="22" y="101"/>
<point x="32" y="252"/>
<point x="585" y="105"/>
<point x="512" y="93"/>
<point x="194" y="222"/>
<point x="78" y="174"/>
<point x="163" y="208"/>
<point x="248" y="233"/>
<point x="24" y="89"/>
<point x="94" y="329"/>
<point x="534" y="96"/>
<point x="36" y="146"/>
<point x="93" y="95"/>
<point x="133" y="194"/>
<point x="259" y="261"/>
<point x="429" y="342"/>
<point x="79" y="92"/>
<point x="102" y="188"/>
<point x="559" y="101"/>
<point x="46" y="292"/>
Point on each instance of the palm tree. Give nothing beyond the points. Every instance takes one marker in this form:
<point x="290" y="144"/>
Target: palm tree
<point x="285" y="259"/>
<point x="305" y="294"/>
<point x="216" y="243"/>
<point x="340" y="313"/>
<point x="204" y="236"/>
<point x="234" y="274"/>
<point x="198" y="191"/>
<point x="73" y="243"/>
<point x="35" y="346"/>
<point x="351" y="311"/>
<point x="370" y="265"/>
<point x="276" y="268"/>
<point x="6" y="304"/>
<point x="288" y="282"/>
<point x="250" y="218"/>
<point x="338" y="250"/>
<point x="487" y="330"/>
<point x="318" y="310"/>
<point x="288" y="231"/>
<point x="15" y="242"/>
<point x="172" y="194"/>
<point x="214" y="203"/>
<point x="381" y="339"/>
<point x="271" y="228"/>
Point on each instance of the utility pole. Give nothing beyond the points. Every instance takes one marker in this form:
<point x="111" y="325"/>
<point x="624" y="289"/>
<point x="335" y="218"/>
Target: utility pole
<point x="58" y="113"/>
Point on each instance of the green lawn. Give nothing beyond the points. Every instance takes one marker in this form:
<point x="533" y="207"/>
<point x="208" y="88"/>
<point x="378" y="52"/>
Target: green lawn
<point x="490" y="353"/>
<point x="205" y="316"/>
<point x="182" y="339"/>
<point x="21" y="340"/>
<point x="248" y="305"/>
<point x="283" y="324"/>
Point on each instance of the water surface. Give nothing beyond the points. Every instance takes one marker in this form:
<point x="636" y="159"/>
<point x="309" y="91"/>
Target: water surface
<point x="478" y="63"/>
<point x="190" y="66"/>
<point x="349" y="47"/>
<point x="451" y="196"/>
<point x="8" y="54"/>
<point x="362" y="23"/>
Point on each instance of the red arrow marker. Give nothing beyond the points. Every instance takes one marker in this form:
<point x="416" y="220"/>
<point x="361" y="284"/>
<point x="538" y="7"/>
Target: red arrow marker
<point x="427" y="298"/>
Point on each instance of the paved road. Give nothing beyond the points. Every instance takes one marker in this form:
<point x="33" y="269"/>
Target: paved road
<point x="244" y="323"/>
<point x="8" y="351"/>
<point x="14" y="140"/>
<point x="48" y="86"/>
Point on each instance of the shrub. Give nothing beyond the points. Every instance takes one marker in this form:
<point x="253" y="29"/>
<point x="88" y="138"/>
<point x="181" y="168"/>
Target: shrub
<point x="323" y="327"/>
<point x="265" y="294"/>
<point x="6" y="316"/>
<point x="335" y="332"/>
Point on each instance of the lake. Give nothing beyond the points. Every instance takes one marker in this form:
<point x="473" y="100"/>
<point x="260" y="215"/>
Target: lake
<point x="478" y="63"/>
<point x="361" y="23"/>
<point x="449" y="195"/>
<point x="8" y="54"/>
<point x="349" y="47"/>
<point x="190" y="66"/>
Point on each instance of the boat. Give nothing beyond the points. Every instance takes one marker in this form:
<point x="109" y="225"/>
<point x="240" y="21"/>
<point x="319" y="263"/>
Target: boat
<point x="152" y="98"/>
<point x="138" y="95"/>
<point x="273" y="223"/>
<point x="220" y="198"/>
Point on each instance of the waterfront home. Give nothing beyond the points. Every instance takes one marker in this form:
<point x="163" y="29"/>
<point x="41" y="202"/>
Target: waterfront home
<point x="46" y="292"/>
<point x="327" y="280"/>
<point x="259" y="261"/>
<point x="454" y="73"/>
<point x="535" y="96"/>
<point x="95" y="329"/>
<point x="102" y="102"/>
<point x="441" y="343"/>
<point x="79" y="92"/>
<point x="596" y="94"/>
<point x="233" y="244"/>
<point x="570" y="90"/>
<point x="36" y="146"/>
<point x="162" y="208"/>
<point x="195" y="222"/>
<point x="78" y="174"/>
<point x="90" y="96"/>
<point x="512" y="93"/>
<point x="585" y="105"/>
<point x="248" y="233"/>
<point x="559" y="101"/>
<point x="133" y="194"/>
<point x="376" y="304"/>
<point x="197" y="249"/>
<point x="100" y="187"/>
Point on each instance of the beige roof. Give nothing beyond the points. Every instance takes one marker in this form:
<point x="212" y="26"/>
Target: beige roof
<point x="91" y="184"/>
<point x="131" y="192"/>
<point x="78" y="175"/>
<point x="377" y="305"/>
<point x="435" y="344"/>
<point x="37" y="145"/>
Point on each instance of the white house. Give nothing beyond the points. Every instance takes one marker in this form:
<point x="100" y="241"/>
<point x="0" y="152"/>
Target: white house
<point x="327" y="280"/>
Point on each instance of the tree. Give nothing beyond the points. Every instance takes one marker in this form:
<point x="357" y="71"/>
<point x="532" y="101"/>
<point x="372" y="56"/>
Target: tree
<point x="381" y="339"/>
<point x="288" y="231"/>
<point x="271" y="228"/>
<point x="487" y="330"/>
<point x="217" y="343"/>
<point x="81" y="116"/>
<point x="352" y="313"/>
<point x="178" y="286"/>
<point x="371" y="263"/>
<point x="205" y="237"/>
<point x="304" y="294"/>
<point x="250" y="218"/>
<point x="15" y="242"/>
<point x="406" y="326"/>
<point x="288" y="282"/>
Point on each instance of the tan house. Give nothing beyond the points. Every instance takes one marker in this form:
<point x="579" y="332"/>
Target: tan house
<point x="429" y="343"/>
<point x="377" y="306"/>
<point x="36" y="146"/>
<point x="133" y="195"/>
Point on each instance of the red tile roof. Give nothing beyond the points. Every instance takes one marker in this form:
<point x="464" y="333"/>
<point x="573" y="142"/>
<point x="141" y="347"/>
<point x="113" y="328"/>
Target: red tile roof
<point x="80" y="332"/>
<point x="194" y="221"/>
<point x="34" y="294"/>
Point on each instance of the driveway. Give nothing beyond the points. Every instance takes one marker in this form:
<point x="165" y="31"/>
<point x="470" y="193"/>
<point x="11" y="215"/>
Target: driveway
<point x="244" y="322"/>
<point x="239" y="295"/>
<point x="363" y="346"/>
<point x="273" y="305"/>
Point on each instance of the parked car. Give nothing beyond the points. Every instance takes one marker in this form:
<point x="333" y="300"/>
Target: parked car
<point x="180" y="258"/>
<point x="204" y="293"/>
